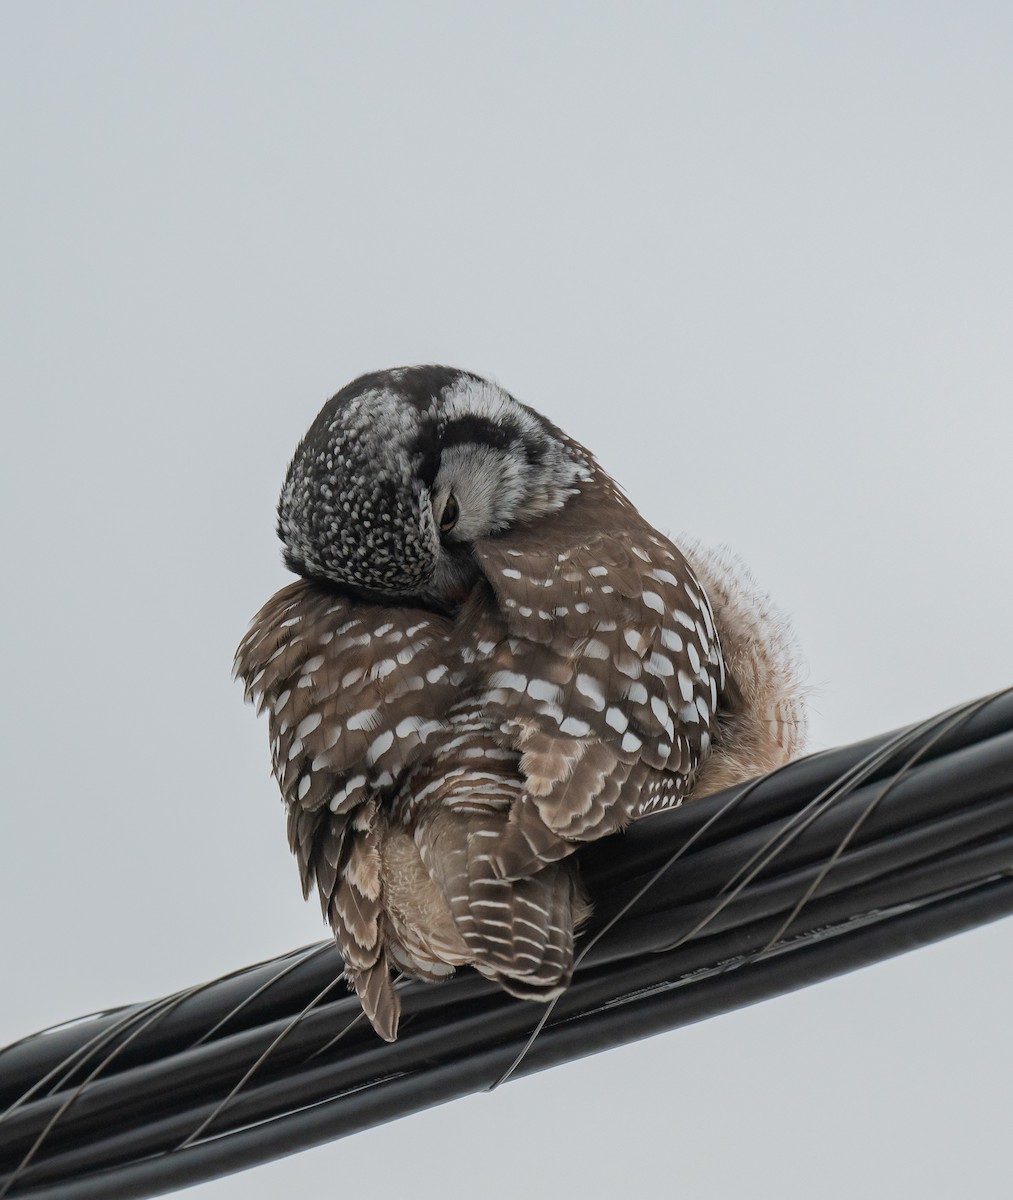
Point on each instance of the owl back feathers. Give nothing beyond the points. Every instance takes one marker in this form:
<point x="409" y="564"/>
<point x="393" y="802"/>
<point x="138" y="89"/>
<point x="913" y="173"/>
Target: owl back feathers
<point x="438" y="771"/>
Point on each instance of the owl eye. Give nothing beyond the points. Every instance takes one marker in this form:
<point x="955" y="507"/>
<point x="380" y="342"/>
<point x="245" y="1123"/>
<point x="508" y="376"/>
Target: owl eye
<point x="451" y="511"/>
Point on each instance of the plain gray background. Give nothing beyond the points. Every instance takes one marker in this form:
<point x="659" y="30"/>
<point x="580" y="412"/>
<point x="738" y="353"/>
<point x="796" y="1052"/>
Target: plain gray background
<point x="757" y="256"/>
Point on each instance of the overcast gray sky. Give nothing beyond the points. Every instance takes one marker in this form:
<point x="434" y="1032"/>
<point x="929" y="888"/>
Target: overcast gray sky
<point x="758" y="256"/>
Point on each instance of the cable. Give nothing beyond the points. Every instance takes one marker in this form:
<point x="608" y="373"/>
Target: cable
<point x="919" y="840"/>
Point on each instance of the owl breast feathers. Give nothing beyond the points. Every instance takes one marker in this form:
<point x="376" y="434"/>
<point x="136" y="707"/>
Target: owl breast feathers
<point x="490" y="658"/>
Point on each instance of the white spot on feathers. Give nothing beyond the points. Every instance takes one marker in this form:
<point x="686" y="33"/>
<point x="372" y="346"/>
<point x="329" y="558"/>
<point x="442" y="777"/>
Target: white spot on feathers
<point x="660" y="664"/>
<point x="509" y="679"/>
<point x="308" y="724"/>
<point x="588" y="686"/>
<point x="380" y="746"/>
<point x="616" y="718"/>
<point x="661" y="713"/>
<point x="365" y="720"/>
<point x="575" y="728"/>
<point x="672" y="641"/>
<point x="540" y="689"/>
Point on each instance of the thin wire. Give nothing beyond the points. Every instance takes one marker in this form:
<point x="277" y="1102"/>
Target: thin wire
<point x="798" y="823"/>
<point x="148" y="1015"/>
<point x="854" y="775"/>
<point x="163" y="1007"/>
<point x="270" y="1049"/>
<point x="68" y="1024"/>
<point x="306" y="955"/>
<point x="259" y="1062"/>
<point x="82" y="1054"/>
<point x="401" y="977"/>
<point x="959" y="719"/>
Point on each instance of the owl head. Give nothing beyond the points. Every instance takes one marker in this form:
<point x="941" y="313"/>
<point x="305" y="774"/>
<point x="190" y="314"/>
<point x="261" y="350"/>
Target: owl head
<point x="404" y="470"/>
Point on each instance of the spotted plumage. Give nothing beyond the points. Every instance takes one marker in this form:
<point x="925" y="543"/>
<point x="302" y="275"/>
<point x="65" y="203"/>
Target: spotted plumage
<point x="490" y="658"/>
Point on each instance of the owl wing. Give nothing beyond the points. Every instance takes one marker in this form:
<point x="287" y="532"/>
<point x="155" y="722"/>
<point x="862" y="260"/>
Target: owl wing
<point x="608" y="680"/>
<point x="352" y="692"/>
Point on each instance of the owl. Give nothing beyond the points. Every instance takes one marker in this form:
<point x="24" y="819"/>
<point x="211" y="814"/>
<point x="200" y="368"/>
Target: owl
<point x="488" y="658"/>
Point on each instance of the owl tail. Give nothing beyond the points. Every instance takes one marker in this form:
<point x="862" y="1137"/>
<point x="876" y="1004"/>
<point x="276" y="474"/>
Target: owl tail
<point x="518" y="932"/>
<point x="762" y="721"/>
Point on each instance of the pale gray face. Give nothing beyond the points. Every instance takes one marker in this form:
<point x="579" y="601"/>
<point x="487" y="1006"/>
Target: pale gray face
<point x="404" y="469"/>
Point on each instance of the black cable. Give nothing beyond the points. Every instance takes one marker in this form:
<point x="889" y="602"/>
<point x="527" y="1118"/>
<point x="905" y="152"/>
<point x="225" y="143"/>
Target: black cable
<point x="931" y="853"/>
